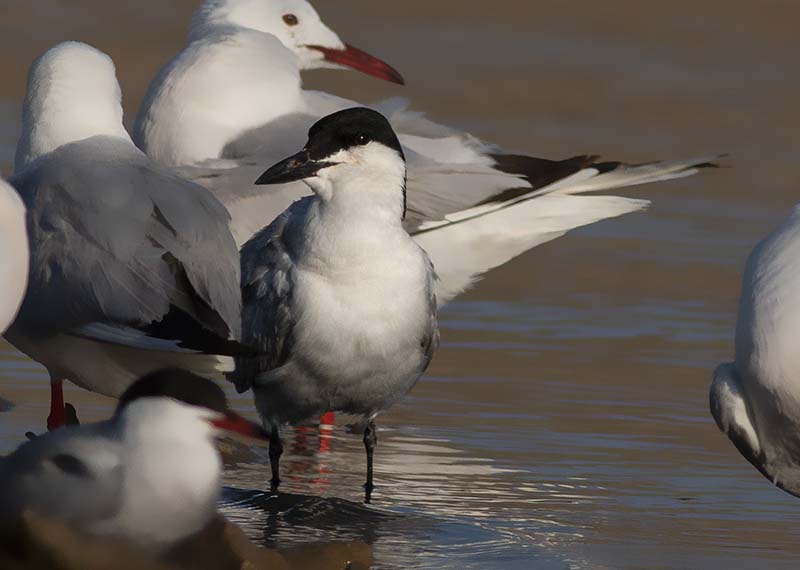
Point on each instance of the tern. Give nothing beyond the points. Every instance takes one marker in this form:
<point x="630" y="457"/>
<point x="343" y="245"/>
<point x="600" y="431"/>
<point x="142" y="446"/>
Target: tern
<point x="133" y="268"/>
<point x="337" y="298"/>
<point x="149" y="475"/>
<point x="232" y="101"/>
<point x="755" y="400"/>
<point x="13" y="254"/>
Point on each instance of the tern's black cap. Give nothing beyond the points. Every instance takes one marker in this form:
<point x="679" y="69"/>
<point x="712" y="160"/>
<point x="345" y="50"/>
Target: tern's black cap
<point x="343" y="130"/>
<point x="179" y="385"/>
<point x="352" y="127"/>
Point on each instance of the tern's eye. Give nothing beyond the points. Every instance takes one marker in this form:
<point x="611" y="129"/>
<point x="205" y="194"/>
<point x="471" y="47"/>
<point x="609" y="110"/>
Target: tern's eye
<point x="290" y="19"/>
<point x="362" y="139"/>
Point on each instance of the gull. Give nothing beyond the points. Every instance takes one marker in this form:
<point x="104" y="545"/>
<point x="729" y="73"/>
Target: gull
<point x="13" y="254"/>
<point x="337" y="298"/>
<point x="149" y="475"/>
<point x="233" y="100"/>
<point x="133" y="268"/>
<point x="755" y="400"/>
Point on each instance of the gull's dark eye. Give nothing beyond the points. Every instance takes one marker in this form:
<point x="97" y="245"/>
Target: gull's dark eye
<point x="362" y="139"/>
<point x="291" y="20"/>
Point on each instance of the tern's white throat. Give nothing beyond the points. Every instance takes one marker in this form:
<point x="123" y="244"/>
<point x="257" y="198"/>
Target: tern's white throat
<point x="367" y="181"/>
<point x="73" y="94"/>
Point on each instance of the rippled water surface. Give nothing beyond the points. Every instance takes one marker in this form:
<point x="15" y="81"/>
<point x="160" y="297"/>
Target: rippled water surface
<point x="563" y="423"/>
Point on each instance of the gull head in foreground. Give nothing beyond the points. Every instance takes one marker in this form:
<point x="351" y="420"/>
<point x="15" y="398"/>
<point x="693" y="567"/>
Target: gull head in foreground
<point x="337" y="298"/>
<point x="149" y="475"/>
<point x="298" y="26"/>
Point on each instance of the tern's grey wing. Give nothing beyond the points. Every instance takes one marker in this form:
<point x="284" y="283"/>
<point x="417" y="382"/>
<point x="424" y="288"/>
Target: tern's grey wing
<point x="430" y="342"/>
<point x="267" y="286"/>
<point x="76" y="478"/>
<point x="115" y="239"/>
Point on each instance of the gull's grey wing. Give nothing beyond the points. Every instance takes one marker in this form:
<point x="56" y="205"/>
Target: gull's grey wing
<point x="115" y="239"/>
<point x="267" y="287"/>
<point x="76" y="479"/>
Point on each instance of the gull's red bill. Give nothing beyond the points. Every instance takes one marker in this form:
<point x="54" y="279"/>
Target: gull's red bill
<point x="362" y="61"/>
<point x="235" y="423"/>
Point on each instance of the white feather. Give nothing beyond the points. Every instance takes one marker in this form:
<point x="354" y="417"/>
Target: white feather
<point x="14" y="254"/>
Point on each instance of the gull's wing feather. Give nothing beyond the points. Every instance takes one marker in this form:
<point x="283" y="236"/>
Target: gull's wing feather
<point x="116" y="240"/>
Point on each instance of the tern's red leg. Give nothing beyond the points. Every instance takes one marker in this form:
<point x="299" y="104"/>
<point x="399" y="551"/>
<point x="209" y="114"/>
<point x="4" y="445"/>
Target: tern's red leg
<point x="328" y="419"/>
<point x="57" y="417"/>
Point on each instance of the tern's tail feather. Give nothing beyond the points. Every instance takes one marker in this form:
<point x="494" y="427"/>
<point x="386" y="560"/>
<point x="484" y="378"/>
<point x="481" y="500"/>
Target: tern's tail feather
<point x="577" y="175"/>
<point x="619" y="175"/>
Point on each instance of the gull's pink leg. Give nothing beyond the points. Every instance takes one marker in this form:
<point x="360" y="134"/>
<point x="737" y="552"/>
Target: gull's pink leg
<point x="57" y="417"/>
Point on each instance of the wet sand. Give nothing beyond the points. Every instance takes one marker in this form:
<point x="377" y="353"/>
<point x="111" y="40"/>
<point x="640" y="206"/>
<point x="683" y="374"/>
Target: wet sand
<point x="564" y="422"/>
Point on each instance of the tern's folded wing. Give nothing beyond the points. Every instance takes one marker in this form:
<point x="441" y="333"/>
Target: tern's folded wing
<point x="267" y="288"/>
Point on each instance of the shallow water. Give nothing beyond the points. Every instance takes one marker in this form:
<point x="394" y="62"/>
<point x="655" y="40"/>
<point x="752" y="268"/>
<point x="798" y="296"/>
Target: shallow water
<point x="563" y="423"/>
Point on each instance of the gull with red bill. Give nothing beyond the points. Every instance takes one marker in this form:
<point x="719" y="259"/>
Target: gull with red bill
<point x="149" y="475"/>
<point x="239" y="70"/>
<point x="233" y="100"/>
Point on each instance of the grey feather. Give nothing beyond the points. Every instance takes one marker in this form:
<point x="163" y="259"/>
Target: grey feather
<point x="116" y="239"/>
<point x="76" y="479"/>
<point x="267" y="284"/>
<point x="430" y="342"/>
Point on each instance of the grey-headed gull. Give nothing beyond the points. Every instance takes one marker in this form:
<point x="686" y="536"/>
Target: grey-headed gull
<point x="755" y="400"/>
<point x="149" y="475"/>
<point x="133" y="268"/>
<point x="336" y="295"/>
<point x="13" y="254"/>
<point x="232" y="101"/>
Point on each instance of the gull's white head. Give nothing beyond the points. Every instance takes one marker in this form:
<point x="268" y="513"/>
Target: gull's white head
<point x="354" y="159"/>
<point x="298" y="26"/>
<point x="73" y="94"/>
